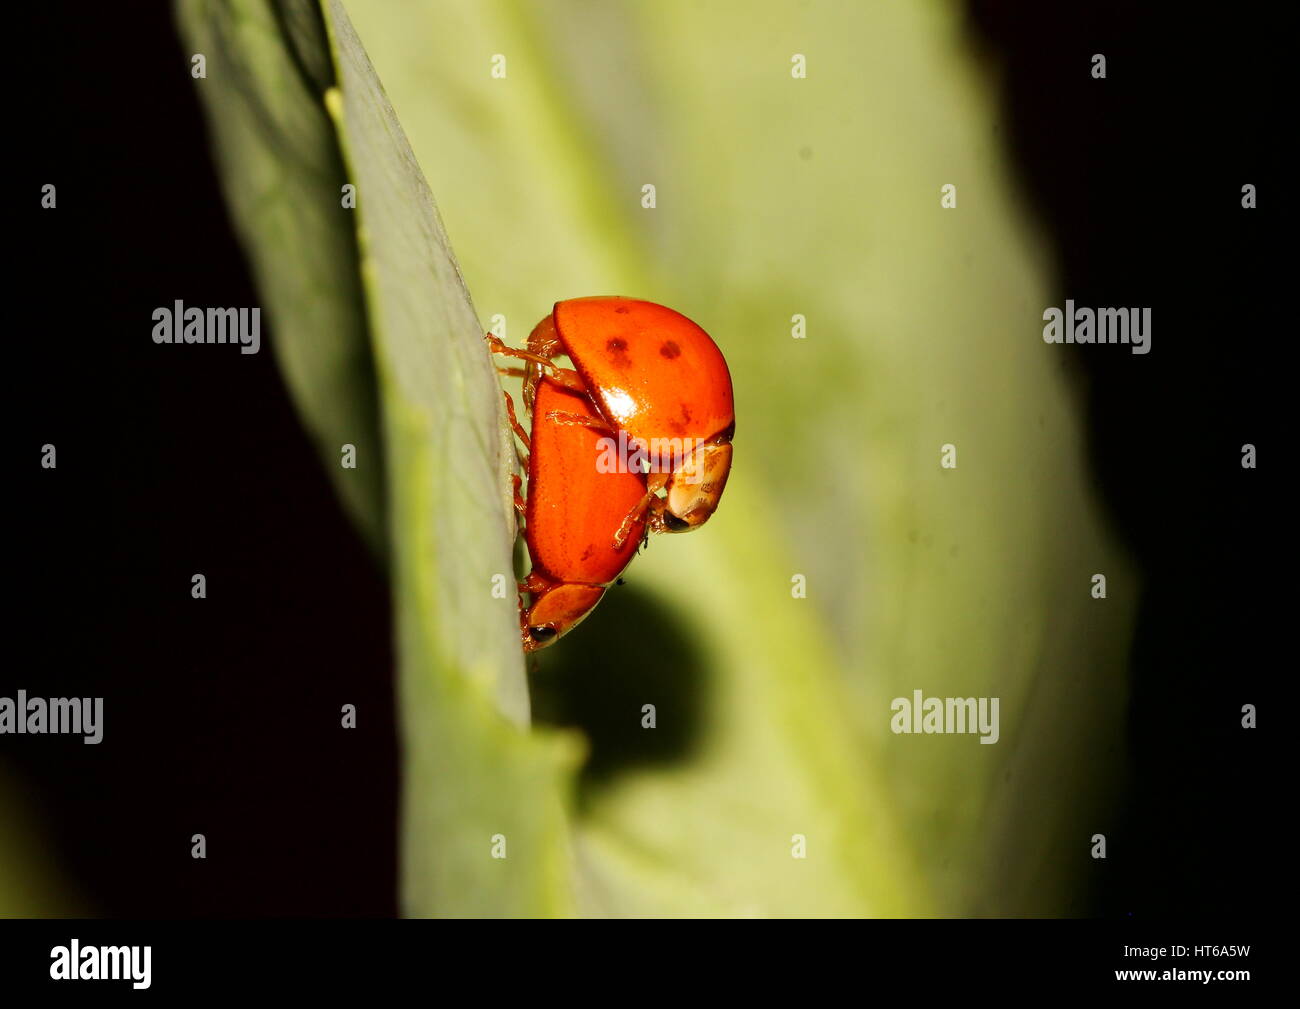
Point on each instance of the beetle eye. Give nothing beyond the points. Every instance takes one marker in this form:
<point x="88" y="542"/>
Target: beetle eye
<point x="541" y="634"/>
<point x="675" y="524"/>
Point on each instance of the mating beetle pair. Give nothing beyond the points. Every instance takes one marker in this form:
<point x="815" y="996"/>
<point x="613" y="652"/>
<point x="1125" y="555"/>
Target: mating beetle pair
<point x="640" y="371"/>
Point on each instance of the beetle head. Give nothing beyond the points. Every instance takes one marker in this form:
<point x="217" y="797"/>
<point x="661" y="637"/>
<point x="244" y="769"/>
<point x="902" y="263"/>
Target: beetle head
<point x="557" y="611"/>
<point x="693" y="491"/>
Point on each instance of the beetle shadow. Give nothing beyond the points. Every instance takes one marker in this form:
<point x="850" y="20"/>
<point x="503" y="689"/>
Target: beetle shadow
<point x="631" y="652"/>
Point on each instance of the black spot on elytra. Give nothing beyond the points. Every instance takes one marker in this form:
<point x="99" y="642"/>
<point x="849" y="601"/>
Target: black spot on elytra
<point x="680" y="427"/>
<point x="670" y="350"/>
<point x="617" y="348"/>
<point x="622" y="310"/>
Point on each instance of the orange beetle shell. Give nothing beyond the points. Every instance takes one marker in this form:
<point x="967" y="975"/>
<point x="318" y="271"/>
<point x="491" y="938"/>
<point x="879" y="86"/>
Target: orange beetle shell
<point x="652" y="371"/>
<point x="573" y="511"/>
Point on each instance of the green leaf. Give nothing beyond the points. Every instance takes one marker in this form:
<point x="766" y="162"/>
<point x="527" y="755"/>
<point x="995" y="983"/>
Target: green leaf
<point x="282" y="173"/>
<point x="297" y="113"/>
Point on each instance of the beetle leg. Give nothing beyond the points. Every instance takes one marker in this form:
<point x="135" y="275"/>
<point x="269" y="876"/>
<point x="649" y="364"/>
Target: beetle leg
<point x="522" y="456"/>
<point x="631" y="519"/>
<point x="498" y="346"/>
<point x="520" y="505"/>
<point x="533" y="583"/>
<point x="652" y="503"/>
<point x="578" y="420"/>
<point x="566" y="378"/>
<point x="514" y="422"/>
<point x="523" y="623"/>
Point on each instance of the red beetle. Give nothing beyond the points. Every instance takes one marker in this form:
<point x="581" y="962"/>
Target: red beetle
<point x="653" y="375"/>
<point x="573" y="511"/>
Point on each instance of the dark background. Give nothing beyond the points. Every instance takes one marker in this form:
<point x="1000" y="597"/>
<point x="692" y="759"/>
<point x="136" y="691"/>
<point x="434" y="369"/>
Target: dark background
<point x="225" y="714"/>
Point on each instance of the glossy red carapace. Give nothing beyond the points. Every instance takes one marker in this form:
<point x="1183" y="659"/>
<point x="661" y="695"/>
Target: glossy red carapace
<point x="572" y="512"/>
<point x="655" y="376"/>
